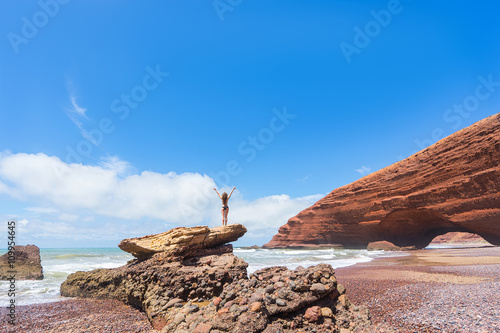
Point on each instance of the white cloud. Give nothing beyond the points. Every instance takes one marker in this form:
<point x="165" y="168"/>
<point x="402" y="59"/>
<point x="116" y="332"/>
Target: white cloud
<point x="48" y="180"/>
<point x="42" y="210"/>
<point x="117" y="165"/>
<point x="363" y="170"/>
<point x="72" y="195"/>
<point x="69" y="217"/>
<point x="266" y="215"/>
<point x="23" y="222"/>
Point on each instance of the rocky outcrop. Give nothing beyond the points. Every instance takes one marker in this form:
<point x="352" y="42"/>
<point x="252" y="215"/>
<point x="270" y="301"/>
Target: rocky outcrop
<point x="182" y="240"/>
<point x="387" y="246"/>
<point x="211" y="292"/>
<point x="274" y="299"/>
<point x="25" y="262"/>
<point x="453" y="185"/>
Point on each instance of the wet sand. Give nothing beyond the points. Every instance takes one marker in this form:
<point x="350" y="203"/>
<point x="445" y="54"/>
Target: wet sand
<point x="437" y="290"/>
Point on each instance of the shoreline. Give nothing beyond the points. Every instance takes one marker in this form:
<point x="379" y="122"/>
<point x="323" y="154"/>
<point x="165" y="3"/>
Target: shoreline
<point x="430" y="290"/>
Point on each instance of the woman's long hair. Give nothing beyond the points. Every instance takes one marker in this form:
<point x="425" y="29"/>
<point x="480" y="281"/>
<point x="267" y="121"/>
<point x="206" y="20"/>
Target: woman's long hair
<point x="224" y="197"/>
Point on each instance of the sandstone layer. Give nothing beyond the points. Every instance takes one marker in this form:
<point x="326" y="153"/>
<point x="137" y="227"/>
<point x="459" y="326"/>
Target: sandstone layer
<point x="210" y="291"/>
<point x="182" y="240"/>
<point x="25" y="262"/>
<point x="451" y="186"/>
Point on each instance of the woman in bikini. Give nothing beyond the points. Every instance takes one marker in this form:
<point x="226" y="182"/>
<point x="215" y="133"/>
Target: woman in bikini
<point x="225" y="208"/>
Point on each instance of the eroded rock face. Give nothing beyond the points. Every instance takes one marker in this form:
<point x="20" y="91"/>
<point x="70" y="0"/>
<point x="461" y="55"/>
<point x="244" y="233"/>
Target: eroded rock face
<point x="150" y="284"/>
<point x="453" y="185"/>
<point x="182" y="240"/>
<point x="27" y="264"/>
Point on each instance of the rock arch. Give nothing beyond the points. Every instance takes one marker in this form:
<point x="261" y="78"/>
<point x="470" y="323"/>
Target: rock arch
<point x="414" y="227"/>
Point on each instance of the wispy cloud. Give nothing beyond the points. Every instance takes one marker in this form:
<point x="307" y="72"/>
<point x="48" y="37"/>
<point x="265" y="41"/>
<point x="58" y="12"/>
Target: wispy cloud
<point x="304" y="179"/>
<point x="363" y="170"/>
<point x="76" y="108"/>
<point x="76" y="113"/>
<point x="42" y="210"/>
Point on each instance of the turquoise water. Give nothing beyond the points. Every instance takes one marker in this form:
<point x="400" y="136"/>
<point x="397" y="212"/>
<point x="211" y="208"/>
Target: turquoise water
<point x="59" y="263"/>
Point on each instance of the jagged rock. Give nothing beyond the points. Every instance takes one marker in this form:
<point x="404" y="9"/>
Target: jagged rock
<point x="140" y="282"/>
<point x="182" y="240"/>
<point x="313" y="314"/>
<point x="27" y="264"/>
<point x="453" y="185"/>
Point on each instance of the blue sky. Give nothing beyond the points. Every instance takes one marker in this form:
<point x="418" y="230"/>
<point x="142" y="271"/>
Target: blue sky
<point x="118" y="117"/>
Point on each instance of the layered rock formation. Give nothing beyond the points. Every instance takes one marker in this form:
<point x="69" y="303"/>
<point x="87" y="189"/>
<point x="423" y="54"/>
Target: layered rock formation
<point x="182" y="240"/>
<point x="453" y="185"/>
<point x="26" y="263"/>
<point x="210" y="291"/>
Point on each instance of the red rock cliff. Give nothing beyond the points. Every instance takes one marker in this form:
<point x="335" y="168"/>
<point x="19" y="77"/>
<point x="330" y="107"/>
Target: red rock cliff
<point x="453" y="185"/>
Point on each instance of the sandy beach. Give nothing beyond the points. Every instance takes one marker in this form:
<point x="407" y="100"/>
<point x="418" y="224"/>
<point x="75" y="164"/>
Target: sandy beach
<point x="435" y="290"/>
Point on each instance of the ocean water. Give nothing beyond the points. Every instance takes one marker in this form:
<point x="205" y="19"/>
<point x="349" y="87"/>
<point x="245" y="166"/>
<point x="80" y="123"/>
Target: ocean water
<point x="59" y="263"/>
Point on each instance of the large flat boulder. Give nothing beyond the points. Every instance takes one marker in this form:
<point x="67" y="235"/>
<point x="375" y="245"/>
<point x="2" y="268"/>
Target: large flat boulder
<point x="451" y="186"/>
<point x="181" y="240"/>
<point x="26" y="263"/>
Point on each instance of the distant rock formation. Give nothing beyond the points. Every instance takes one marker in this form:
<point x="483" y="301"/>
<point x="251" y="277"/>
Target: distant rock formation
<point x="210" y="291"/>
<point x="453" y="185"/>
<point x="387" y="246"/>
<point x="182" y="240"/>
<point x="27" y="264"/>
<point x="459" y="238"/>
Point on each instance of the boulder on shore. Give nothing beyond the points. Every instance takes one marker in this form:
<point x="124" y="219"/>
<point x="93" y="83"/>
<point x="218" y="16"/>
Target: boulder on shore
<point x="26" y="263"/>
<point x="451" y="186"/>
<point x="388" y="246"/>
<point x="210" y="291"/>
<point x="182" y="240"/>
